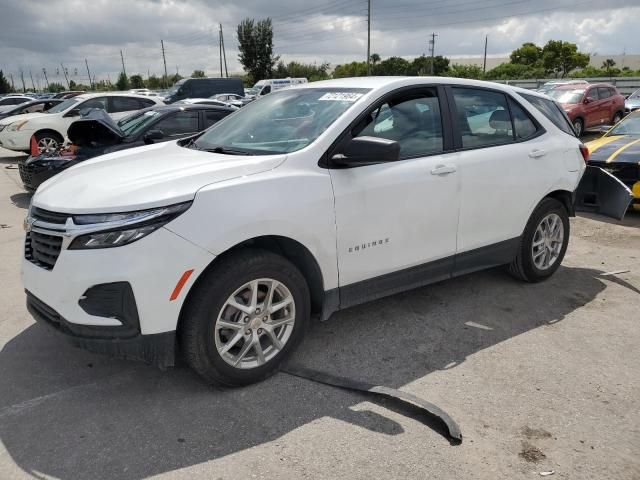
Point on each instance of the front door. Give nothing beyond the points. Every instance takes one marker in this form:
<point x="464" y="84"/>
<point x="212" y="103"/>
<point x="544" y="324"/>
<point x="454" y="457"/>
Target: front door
<point x="396" y="222"/>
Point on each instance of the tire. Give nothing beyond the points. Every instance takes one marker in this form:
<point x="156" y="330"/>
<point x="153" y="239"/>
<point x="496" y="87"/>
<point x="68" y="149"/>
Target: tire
<point x="578" y="127"/>
<point x="616" y="118"/>
<point x="48" y="141"/>
<point x="528" y="264"/>
<point x="203" y="337"/>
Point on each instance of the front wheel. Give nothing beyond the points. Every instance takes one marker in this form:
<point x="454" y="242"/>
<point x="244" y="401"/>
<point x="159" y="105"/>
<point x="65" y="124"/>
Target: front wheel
<point x="543" y="243"/>
<point x="48" y="142"/>
<point x="244" y="318"/>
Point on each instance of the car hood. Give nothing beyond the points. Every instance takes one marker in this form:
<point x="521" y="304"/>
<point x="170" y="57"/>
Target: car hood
<point x="95" y="126"/>
<point x="23" y="116"/>
<point x="145" y="177"/>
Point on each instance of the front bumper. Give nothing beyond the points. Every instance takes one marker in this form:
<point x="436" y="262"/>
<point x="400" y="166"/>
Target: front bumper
<point x="158" y="349"/>
<point x="152" y="266"/>
<point x="19" y="140"/>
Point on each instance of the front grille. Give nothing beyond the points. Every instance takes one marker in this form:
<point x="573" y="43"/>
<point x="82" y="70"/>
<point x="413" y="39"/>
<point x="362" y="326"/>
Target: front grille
<point x="26" y="173"/>
<point x="49" y="217"/>
<point x="42" y="249"/>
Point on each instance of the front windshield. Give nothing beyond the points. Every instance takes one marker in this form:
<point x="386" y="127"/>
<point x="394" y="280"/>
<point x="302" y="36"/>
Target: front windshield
<point x="567" y="96"/>
<point x="173" y="90"/>
<point x="61" y="107"/>
<point x="628" y="126"/>
<point x="254" y="90"/>
<point x="282" y="122"/>
<point x="635" y="94"/>
<point x="134" y="123"/>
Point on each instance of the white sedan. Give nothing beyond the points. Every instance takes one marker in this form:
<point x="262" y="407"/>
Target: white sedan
<point x="50" y="128"/>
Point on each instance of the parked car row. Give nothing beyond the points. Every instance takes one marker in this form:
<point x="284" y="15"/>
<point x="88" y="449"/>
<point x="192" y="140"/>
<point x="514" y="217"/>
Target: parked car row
<point x="96" y="133"/>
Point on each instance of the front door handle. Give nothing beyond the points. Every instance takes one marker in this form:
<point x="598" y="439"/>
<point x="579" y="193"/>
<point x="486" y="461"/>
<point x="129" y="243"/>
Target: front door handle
<point x="443" y="169"/>
<point x="535" y="153"/>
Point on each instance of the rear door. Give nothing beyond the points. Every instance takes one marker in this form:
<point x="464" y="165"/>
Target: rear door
<point x="505" y="168"/>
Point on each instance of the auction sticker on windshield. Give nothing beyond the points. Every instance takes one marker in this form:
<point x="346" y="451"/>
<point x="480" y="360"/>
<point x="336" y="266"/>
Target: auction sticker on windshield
<point x="341" y="96"/>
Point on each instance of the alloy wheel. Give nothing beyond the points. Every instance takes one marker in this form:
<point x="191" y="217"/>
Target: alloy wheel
<point x="255" y="323"/>
<point x="47" y="145"/>
<point x="547" y="241"/>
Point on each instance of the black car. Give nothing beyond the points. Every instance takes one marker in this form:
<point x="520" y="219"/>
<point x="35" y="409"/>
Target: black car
<point x="203" y="88"/>
<point x="31" y="107"/>
<point x="95" y="133"/>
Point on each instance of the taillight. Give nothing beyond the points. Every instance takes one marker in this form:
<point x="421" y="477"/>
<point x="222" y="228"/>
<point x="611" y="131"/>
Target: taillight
<point x="584" y="150"/>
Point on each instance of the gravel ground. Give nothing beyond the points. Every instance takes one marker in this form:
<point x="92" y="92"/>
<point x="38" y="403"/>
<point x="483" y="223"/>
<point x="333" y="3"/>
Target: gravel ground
<point x="539" y="377"/>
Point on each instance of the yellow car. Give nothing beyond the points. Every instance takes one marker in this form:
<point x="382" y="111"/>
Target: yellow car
<point x="618" y="152"/>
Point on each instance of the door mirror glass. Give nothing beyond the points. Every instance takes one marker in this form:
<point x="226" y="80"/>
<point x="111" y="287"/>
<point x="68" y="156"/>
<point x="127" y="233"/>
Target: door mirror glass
<point x="75" y="112"/>
<point x="153" y="135"/>
<point x="361" y="151"/>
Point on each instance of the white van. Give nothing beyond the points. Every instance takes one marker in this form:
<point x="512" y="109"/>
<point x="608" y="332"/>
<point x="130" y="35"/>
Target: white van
<point x="267" y="86"/>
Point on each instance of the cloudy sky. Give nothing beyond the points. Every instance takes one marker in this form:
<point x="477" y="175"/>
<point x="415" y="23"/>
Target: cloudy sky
<point x="38" y="34"/>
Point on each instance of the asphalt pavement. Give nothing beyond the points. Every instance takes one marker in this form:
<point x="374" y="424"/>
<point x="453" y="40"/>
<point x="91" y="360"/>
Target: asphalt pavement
<point x="540" y="378"/>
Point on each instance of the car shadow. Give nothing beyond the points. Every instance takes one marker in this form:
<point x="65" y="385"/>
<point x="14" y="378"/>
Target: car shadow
<point x="21" y="200"/>
<point x="66" y="413"/>
<point x="631" y="218"/>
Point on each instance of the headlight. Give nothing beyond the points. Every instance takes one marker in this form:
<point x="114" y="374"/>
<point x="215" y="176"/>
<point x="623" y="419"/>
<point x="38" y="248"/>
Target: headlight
<point x="17" y="125"/>
<point x="123" y="228"/>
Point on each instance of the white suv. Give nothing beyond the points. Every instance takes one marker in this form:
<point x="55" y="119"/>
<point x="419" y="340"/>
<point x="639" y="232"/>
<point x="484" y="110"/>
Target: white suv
<point x="50" y="128"/>
<point x="309" y="200"/>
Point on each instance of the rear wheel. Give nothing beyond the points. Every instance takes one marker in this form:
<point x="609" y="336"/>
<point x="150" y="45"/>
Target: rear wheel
<point x="244" y="318"/>
<point x="578" y="126"/>
<point x="48" y="142"/>
<point x="544" y="242"/>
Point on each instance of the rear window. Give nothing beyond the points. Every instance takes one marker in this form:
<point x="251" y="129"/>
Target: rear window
<point x="552" y="111"/>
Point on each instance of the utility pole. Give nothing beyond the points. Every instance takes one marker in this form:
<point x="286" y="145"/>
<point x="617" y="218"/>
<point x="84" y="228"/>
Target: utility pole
<point x="24" y="89"/>
<point x="32" y="84"/>
<point x="88" y="73"/>
<point x="13" y="86"/>
<point x="484" y="63"/>
<point x="44" y="72"/>
<point x="224" y="53"/>
<point x="432" y="49"/>
<point x="368" y="37"/>
<point x="64" y="70"/>
<point x="220" y="48"/>
<point x="123" y="69"/>
<point x="164" y="59"/>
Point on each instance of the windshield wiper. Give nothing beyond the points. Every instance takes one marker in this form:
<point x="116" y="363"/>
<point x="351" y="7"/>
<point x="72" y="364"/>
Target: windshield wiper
<point x="226" y="150"/>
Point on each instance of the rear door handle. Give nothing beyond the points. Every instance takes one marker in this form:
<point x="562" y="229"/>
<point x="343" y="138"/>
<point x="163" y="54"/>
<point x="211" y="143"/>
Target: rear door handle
<point x="443" y="169"/>
<point x="535" y="153"/>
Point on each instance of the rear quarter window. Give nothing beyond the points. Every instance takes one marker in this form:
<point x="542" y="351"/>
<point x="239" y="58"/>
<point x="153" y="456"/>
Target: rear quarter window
<point x="552" y="111"/>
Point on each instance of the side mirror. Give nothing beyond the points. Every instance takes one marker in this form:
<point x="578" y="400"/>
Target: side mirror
<point x="588" y="100"/>
<point x="153" y="135"/>
<point x="74" y="112"/>
<point x="362" y="151"/>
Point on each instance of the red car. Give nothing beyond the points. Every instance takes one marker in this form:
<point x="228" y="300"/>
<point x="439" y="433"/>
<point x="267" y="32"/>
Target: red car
<point x="590" y="105"/>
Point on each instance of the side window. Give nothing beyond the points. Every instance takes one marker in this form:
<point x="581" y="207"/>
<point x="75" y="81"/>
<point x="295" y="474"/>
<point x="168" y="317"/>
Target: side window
<point x="604" y="92"/>
<point x="483" y="117"/>
<point x="179" y="123"/>
<point x="213" y="116"/>
<point x="145" y="103"/>
<point x="99" y="102"/>
<point x="524" y="126"/>
<point x="266" y="90"/>
<point x="413" y="120"/>
<point x="34" y="108"/>
<point x="593" y="93"/>
<point x="124" y="104"/>
<point x="552" y="111"/>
